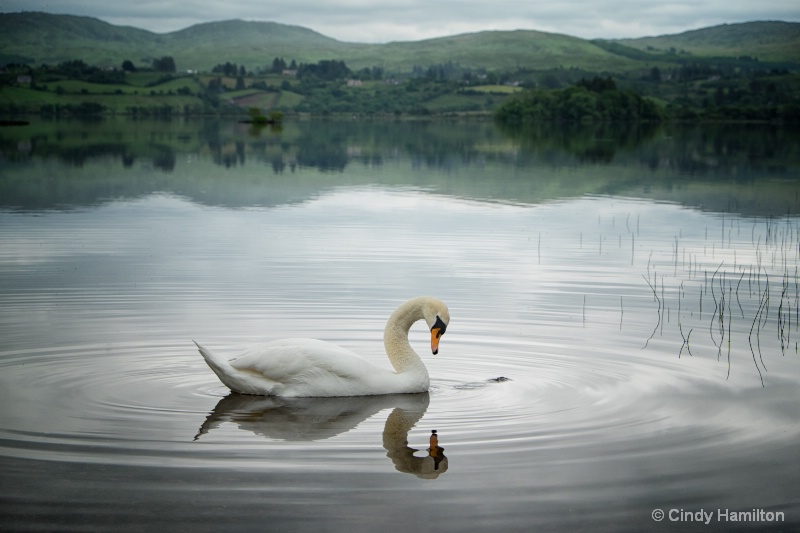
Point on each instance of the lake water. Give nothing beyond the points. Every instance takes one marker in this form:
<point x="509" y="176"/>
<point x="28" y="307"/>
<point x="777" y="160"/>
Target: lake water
<point x="636" y="289"/>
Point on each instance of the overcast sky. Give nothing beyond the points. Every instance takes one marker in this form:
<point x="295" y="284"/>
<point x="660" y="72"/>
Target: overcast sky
<point x="406" y="20"/>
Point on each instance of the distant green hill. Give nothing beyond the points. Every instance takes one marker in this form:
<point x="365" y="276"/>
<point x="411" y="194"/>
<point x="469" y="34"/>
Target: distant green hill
<point x="38" y="38"/>
<point x="493" y="50"/>
<point x="42" y="38"/>
<point x="766" y="41"/>
<point x="254" y="44"/>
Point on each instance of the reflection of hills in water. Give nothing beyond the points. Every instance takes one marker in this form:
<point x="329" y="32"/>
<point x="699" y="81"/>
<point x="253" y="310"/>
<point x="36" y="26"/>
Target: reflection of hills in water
<point x="69" y="163"/>
<point x="311" y="419"/>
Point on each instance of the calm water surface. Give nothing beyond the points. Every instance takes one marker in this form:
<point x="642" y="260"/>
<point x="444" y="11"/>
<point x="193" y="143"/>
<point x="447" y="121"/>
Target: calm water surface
<point x="635" y="291"/>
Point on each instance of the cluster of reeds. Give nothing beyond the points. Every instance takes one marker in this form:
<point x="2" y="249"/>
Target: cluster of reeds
<point x="774" y="253"/>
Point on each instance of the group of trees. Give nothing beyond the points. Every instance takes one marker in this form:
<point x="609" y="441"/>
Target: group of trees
<point x="78" y="70"/>
<point x="326" y="70"/>
<point x="414" y="96"/>
<point x="164" y="64"/>
<point x="596" y="99"/>
<point x="230" y="69"/>
<point x="279" y="65"/>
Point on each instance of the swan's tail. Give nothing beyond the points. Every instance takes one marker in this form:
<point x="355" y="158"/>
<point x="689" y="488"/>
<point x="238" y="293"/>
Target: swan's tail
<point x="233" y="379"/>
<point x="218" y="364"/>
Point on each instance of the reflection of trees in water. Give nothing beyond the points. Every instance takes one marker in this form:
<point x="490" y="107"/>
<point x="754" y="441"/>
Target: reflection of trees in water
<point x="444" y="145"/>
<point x="159" y="156"/>
<point x="675" y="155"/>
<point x="165" y="160"/>
<point x="592" y="142"/>
<point x="321" y="153"/>
<point x="728" y="151"/>
<point x="332" y="145"/>
<point x="709" y="150"/>
<point x="227" y="155"/>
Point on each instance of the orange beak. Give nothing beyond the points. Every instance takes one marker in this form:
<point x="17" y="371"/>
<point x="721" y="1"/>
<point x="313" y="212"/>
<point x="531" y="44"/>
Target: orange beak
<point x="436" y="333"/>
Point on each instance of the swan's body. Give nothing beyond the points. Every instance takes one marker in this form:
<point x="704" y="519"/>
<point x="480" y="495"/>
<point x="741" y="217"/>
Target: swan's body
<point x="310" y="367"/>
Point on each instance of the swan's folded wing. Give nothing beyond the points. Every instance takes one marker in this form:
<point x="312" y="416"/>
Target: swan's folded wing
<point x="296" y="364"/>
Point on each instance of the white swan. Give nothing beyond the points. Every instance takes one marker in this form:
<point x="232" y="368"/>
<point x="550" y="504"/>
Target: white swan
<point x="309" y="367"/>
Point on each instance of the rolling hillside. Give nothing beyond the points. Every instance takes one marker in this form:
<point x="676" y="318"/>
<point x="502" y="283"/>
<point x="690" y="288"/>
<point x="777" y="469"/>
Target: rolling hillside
<point x="41" y="38"/>
<point x="494" y="50"/>
<point x="38" y="38"/>
<point x="767" y="41"/>
<point x="254" y="44"/>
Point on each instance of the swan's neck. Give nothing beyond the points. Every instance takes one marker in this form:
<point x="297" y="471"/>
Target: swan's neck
<point x="395" y="338"/>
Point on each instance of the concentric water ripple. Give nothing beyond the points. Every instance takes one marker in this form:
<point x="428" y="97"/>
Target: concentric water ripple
<point x="158" y="404"/>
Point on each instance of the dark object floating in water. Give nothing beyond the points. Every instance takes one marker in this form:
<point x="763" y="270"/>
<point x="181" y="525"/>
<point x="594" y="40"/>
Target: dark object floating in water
<point x="480" y="384"/>
<point x="259" y="119"/>
<point x="14" y="123"/>
<point x="266" y="122"/>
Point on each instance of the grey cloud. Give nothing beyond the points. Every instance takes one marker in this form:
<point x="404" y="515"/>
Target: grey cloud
<point x="365" y="21"/>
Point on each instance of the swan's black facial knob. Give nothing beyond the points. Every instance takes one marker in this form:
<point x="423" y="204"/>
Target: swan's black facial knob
<point x="437" y="330"/>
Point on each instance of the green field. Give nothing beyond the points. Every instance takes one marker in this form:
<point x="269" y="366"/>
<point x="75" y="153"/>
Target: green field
<point x="115" y="99"/>
<point x="496" y="89"/>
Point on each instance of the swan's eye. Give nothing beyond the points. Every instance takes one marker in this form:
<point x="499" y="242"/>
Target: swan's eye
<point x="439" y="326"/>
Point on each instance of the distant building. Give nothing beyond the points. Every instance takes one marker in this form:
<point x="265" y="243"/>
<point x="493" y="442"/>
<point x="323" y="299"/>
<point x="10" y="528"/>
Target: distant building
<point x="292" y="73"/>
<point x="354" y="83"/>
<point x="24" y="79"/>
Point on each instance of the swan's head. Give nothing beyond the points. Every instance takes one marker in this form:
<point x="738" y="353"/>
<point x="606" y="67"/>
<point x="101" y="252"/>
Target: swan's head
<point x="438" y="317"/>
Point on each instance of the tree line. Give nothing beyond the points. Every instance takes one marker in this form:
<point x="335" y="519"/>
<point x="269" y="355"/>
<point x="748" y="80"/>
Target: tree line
<point x="597" y="99"/>
<point x="688" y="92"/>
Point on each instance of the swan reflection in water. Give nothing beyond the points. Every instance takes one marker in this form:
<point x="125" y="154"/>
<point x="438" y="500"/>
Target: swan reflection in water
<point x="311" y="419"/>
